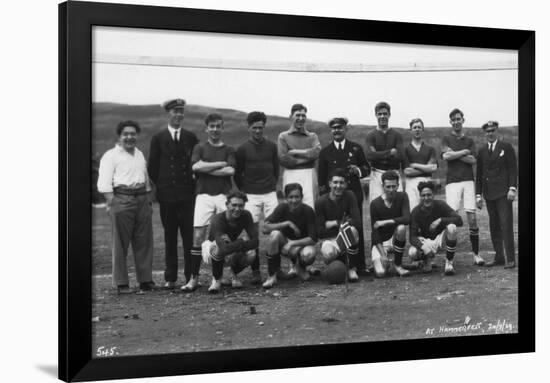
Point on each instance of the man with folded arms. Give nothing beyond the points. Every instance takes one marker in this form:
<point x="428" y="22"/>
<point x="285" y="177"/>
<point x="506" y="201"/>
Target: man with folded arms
<point x="298" y="151"/>
<point x="124" y="182"/>
<point x="433" y="228"/>
<point x="389" y="215"/>
<point x="257" y="174"/>
<point x="226" y="243"/>
<point x="292" y="233"/>
<point x="332" y="210"/>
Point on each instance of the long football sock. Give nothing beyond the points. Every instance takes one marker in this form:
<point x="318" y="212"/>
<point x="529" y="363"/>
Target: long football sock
<point x="256" y="263"/>
<point x="474" y="239"/>
<point x="273" y="263"/>
<point x="195" y="264"/>
<point x="451" y="248"/>
<point x="398" y="248"/>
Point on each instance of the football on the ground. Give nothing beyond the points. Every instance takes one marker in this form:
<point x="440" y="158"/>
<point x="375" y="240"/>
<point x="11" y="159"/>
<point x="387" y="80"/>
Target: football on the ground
<point x="335" y="272"/>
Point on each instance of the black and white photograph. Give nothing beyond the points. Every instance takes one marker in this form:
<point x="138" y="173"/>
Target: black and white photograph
<point x="253" y="191"/>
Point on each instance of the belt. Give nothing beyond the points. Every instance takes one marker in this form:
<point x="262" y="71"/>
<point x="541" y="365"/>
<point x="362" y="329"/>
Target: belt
<point x="130" y="191"/>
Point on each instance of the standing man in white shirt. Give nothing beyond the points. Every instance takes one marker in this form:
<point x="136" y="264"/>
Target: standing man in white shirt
<point x="124" y="182"/>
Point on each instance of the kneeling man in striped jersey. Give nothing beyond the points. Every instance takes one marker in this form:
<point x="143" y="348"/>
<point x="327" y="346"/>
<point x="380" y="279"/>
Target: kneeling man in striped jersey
<point x="433" y="228"/>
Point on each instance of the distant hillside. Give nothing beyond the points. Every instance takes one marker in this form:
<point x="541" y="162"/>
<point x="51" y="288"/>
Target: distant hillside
<point x="152" y="118"/>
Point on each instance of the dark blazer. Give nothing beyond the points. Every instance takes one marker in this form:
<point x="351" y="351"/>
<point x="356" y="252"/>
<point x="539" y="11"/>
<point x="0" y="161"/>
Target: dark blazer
<point x="331" y="158"/>
<point x="496" y="173"/>
<point x="169" y="165"/>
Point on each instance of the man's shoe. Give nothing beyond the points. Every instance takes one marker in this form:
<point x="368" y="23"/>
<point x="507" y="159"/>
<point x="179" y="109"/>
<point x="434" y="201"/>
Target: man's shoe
<point x="314" y="271"/>
<point x="256" y="277"/>
<point x="123" y="289"/>
<point x="401" y="271"/>
<point x="270" y="282"/>
<point x="147" y="286"/>
<point x="236" y="283"/>
<point x="169" y="285"/>
<point x="352" y="275"/>
<point x="379" y="269"/>
<point x="215" y="287"/>
<point x="225" y="281"/>
<point x="478" y="261"/>
<point x="292" y="273"/>
<point x="510" y="265"/>
<point x="449" y="269"/>
<point x="191" y="286"/>
<point x="495" y="263"/>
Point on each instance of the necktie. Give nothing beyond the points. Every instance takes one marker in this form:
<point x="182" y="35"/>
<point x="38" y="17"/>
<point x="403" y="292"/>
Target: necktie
<point x="491" y="149"/>
<point x="176" y="136"/>
<point x="339" y="146"/>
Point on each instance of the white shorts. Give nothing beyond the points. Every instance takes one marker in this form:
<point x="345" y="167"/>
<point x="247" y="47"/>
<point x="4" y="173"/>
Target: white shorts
<point x="210" y="249"/>
<point x="465" y="191"/>
<point x="436" y="244"/>
<point x="206" y="206"/>
<point x="261" y="203"/>
<point x="375" y="183"/>
<point x="305" y="177"/>
<point x="411" y="188"/>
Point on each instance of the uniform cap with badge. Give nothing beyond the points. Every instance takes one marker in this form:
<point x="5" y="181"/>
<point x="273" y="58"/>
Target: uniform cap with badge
<point x="174" y="103"/>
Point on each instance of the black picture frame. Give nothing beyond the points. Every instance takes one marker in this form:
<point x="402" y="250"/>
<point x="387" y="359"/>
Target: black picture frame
<point x="75" y="352"/>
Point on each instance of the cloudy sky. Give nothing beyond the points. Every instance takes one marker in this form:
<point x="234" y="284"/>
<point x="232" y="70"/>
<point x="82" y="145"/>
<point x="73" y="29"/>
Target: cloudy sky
<point x="482" y="95"/>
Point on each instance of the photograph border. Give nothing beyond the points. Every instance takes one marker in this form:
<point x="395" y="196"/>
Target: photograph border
<point x="76" y="20"/>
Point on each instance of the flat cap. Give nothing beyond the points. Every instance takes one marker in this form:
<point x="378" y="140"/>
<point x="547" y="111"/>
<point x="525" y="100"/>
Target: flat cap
<point x="490" y="124"/>
<point x="337" y="121"/>
<point x="175" y="103"/>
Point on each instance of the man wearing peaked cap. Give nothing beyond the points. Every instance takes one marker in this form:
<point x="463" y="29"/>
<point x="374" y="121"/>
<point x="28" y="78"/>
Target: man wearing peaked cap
<point x="344" y="154"/>
<point x="170" y="170"/>
<point x="175" y="103"/>
<point x="496" y="180"/>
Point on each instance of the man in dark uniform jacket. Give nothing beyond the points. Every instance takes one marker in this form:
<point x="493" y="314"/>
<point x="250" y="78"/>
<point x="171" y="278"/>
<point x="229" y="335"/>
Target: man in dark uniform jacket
<point x="347" y="155"/>
<point x="496" y="179"/>
<point x="169" y="168"/>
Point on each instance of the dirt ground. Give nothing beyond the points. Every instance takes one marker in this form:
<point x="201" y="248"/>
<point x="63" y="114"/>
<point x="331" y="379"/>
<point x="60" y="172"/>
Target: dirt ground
<point x="475" y="301"/>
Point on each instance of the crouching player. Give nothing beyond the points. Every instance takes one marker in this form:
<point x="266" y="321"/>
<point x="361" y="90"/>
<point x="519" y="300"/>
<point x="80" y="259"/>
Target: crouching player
<point x="433" y="228"/>
<point x="292" y="233"/>
<point x="226" y="244"/>
<point x="332" y="210"/>
<point x="389" y="214"/>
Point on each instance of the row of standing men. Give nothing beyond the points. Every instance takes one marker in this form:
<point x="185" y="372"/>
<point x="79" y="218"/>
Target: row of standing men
<point x="192" y="181"/>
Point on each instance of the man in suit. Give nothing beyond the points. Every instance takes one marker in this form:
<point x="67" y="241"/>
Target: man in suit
<point x="348" y="155"/>
<point x="170" y="170"/>
<point x="496" y="180"/>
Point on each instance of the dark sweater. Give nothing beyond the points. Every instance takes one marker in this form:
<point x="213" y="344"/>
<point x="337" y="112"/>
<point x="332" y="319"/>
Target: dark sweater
<point x="220" y="226"/>
<point x="422" y="218"/>
<point x="329" y="210"/>
<point x="383" y="143"/>
<point x="257" y="167"/>
<point x="303" y="217"/>
<point x="399" y="212"/>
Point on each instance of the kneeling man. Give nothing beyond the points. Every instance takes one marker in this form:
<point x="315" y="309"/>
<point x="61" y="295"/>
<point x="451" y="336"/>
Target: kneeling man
<point x="225" y="243"/>
<point x="433" y="228"/>
<point x="389" y="215"/>
<point x="292" y="233"/>
<point x="339" y="207"/>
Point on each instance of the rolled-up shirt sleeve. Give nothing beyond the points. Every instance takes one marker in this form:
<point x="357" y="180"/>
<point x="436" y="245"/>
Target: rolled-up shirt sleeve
<point x="106" y="173"/>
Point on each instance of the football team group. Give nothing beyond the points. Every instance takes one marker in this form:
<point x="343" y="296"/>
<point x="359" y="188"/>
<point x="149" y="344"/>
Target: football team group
<point x="322" y="211"/>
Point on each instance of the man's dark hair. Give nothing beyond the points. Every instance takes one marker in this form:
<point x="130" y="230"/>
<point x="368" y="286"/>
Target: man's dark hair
<point x="289" y="188"/>
<point x="213" y="117"/>
<point x="236" y="194"/>
<point x="255" y="117"/>
<point x="455" y="111"/>
<point x="414" y="121"/>
<point x="380" y="105"/>
<point x="426" y="184"/>
<point x="122" y="124"/>
<point x="338" y="172"/>
<point x="390" y="175"/>
<point x="296" y="107"/>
